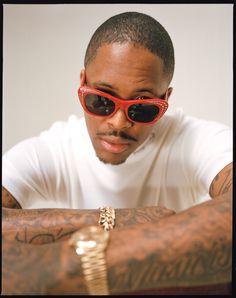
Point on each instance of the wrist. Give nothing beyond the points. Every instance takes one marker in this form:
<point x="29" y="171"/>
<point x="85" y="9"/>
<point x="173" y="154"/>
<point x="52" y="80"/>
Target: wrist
<point x="89" y="245"/>
<point x="70" y="280"/>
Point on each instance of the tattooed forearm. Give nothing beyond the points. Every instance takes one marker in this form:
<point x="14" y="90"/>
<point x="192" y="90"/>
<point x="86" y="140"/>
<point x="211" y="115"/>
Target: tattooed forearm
<point x="198" y="267"/>
<point x="39" y="226"/>
<point x="222" y="183"/>
<point x="189" y="249"/>
<point x="39" y="270"/>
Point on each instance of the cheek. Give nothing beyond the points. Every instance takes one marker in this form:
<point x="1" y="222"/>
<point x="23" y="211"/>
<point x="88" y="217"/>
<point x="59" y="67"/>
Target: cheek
<point x="92" y="123"/>
<point x="143" y="132"/>
<point x="95" y="125"/>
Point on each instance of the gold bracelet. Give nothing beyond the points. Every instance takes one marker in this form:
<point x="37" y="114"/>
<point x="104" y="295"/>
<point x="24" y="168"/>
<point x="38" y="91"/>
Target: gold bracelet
<point x="107" y="218"/>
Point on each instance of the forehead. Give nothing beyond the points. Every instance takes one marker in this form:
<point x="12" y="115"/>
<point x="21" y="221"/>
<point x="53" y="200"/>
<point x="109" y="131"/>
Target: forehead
<point x="125" y="63"/>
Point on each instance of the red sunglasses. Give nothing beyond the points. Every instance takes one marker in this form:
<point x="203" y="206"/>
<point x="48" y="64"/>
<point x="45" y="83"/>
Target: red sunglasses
<point x="101" y="104"/>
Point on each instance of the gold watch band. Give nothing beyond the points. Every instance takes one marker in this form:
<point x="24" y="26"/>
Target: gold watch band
<point x="90" y="244"/>
<point x="95" y="273"/>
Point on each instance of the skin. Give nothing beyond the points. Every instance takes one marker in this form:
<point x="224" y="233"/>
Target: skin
<point x="151" y="247"/>
<point x="140" y="76"/>
<point x="138" y="257"/>
<point x="35" y="226"/>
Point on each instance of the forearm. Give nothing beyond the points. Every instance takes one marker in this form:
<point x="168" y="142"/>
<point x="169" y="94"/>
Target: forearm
<point x="33" y="269"/>
<point x="40" y="226"/>
<point x="191" y="248"/>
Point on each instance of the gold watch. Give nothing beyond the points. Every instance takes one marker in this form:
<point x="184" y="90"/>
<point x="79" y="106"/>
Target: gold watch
<point x="90" y="244"/>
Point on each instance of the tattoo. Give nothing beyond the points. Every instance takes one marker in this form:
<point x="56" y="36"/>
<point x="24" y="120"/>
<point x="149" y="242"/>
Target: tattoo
<point x="8" y="200"/>
<point x="201" y="253"/>
<point x="222" y="183"/>
<point x="188" y="269"/>
<point x="188" y="249"/>
<point x="42" y="237"/>
<point x="27" y="276"/>
<point x="41" y="270"/>
<point x="40" y="226"/>
<point x="126" y="217"/>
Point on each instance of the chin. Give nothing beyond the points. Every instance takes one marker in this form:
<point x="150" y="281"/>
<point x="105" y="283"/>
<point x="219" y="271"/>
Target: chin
<point x="111" y="161"/>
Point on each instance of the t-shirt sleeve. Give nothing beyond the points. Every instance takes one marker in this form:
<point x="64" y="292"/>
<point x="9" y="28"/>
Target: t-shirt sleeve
<point x="29" y="172"/>
<point x="207" y="148"/>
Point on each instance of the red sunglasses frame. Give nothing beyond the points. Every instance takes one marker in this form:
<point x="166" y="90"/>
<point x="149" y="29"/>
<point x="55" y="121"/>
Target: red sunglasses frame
<point x="124" y="104"/>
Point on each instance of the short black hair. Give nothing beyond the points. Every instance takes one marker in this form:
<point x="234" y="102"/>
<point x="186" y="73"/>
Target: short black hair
<point x="137" y="28"/>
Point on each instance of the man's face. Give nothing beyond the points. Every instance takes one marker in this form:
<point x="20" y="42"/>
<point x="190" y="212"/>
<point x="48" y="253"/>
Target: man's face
<point x="127" y="72"/>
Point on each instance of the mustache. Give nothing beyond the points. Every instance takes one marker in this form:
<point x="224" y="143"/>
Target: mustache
<point x="116" y="133"/>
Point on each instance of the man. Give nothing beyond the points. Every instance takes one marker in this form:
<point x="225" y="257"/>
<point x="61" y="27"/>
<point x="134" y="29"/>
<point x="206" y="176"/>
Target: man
<point x="150" y="165"/>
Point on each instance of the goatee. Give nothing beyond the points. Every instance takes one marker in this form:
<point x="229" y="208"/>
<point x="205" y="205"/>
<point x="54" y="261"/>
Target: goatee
<point x="112" y="163"/>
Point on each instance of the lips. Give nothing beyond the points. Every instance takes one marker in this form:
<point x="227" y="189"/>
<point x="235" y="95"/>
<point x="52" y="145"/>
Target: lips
<point x="114" y="144"/>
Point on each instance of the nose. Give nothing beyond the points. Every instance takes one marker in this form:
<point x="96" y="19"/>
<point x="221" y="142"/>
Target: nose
<point x="119" y="121"/>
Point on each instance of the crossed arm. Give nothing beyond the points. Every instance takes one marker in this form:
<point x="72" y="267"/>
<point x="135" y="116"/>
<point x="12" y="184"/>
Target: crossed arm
<point x="150" y="247"/>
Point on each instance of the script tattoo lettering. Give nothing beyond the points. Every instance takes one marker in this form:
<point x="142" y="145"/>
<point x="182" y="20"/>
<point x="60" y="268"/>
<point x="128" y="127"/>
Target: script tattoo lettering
<point x="198" y="261"/>
<point x="42" y="237"/>
<point x="189" y="267"/>
<point x="42" y="226"/>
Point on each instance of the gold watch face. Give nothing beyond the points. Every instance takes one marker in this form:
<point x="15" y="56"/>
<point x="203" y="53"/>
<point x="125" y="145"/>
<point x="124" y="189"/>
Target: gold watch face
<point x="89" y="238"/>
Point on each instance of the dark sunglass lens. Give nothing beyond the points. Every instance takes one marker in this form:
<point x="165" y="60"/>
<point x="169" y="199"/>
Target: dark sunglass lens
<point x="143" y="113"/>
<point x="99" y="105"/>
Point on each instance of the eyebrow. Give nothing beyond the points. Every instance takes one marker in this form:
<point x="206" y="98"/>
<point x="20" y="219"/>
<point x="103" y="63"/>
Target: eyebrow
<point x="145" y="90"/>
<point x="103" y="84"/>
<point x="141" y="90"/>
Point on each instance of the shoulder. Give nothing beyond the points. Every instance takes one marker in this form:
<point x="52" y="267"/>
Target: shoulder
<point x="47" y="144"/>
<point x="183" y="124"/>
<point x="188" y="136"/>
<point x="65" y="128"/>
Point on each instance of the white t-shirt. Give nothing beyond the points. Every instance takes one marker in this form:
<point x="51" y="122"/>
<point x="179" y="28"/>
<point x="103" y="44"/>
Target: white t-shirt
<point x="174" y="167"/>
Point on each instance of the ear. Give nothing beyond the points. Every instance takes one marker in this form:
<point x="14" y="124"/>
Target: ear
<point x="82" y="77"/>
<point x="168" y="93"/>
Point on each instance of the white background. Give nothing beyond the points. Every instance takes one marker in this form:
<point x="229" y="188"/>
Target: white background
<point x="44" y="47"/>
